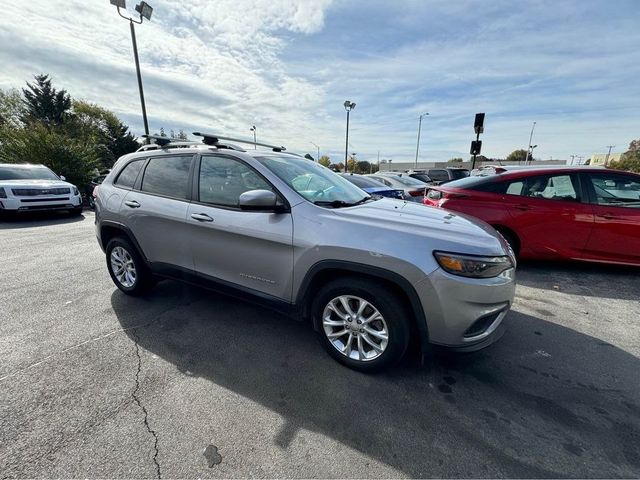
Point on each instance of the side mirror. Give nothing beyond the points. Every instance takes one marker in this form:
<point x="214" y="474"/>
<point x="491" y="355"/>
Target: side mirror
<point x="63" y="178"/>
<point x="258" y="200"/>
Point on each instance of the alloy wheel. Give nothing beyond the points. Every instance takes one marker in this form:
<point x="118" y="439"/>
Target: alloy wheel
<point x="355" y="328"/>
<point x="123" y="267"/>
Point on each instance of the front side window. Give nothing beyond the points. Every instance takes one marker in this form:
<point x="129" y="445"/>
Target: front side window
<point x="314" y="182"/>
<point x="550" y="187"/>
<point x="129" y="174"/>
<point x="222" y="181"/>
<point x="168" y="176"/>
<point x="616" y="190"/>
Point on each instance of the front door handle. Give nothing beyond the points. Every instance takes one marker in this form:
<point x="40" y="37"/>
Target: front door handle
<point x="201" y="217"/>
<point x="607" y="216"/>
<point x="523" y="206"/>
<point x="132" y="203"/>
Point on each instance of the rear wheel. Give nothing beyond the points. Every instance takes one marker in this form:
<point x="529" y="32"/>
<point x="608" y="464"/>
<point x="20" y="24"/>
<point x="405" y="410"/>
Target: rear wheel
<point x="127" y="269"/>
<point x="361" y="324"/>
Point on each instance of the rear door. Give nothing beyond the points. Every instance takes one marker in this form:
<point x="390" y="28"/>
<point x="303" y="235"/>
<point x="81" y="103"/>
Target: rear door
<point x="156" y="209"/>
<point x="616" y="205"/>
<point x="550" y="215"/>
<point x="250" y="249"/>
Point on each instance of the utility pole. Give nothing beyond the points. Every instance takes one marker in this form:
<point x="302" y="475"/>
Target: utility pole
<point x="529" y="151"/>
<point x="606" y="160"/>
<point x="418" y="144"/>
<point x="572" y="157"/>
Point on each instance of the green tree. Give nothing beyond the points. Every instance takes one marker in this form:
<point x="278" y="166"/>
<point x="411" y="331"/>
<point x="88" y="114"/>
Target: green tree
<point x="630" y="160"/>
<point x="101" y="128"/>
<point x="517" y="156"/>
<point x="75" y="159"/>
<point x="456" y="160"/>
<point x="363" y="167"/>
<point x="43" y="103"/>
<point x="324" y="161"/>
<point x="12" y="108"/>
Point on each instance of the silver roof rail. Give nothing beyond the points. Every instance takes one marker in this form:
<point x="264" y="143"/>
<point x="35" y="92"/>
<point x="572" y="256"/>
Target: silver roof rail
<point x="213" y="139"/>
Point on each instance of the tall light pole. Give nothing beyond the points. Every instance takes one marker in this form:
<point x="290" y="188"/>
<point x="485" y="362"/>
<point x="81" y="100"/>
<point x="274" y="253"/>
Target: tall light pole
<point x="255" y="141"/>
<point x="419" y="128"/>
<point x="530" y="149"/>
<point x="348" y="106"/>
<point x="318" y="157"/>
<point x="606" y="160"/>
<point x="145" y="11"/>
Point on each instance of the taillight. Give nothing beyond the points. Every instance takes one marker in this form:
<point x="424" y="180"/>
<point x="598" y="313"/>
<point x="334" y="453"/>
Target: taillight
<point x="95" y="192"/>
<point x="416" y="193"/>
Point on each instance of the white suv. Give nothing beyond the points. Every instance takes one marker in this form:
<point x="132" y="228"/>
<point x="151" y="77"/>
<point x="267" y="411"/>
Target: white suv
<point x="28" y="187"/>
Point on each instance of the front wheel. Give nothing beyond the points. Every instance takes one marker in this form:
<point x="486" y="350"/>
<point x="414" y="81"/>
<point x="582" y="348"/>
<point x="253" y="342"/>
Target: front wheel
<point x="361" y="324"/>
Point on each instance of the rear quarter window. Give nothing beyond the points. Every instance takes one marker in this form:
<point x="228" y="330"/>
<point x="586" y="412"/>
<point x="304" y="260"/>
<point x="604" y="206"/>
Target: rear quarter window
<point x="129" y="174"/>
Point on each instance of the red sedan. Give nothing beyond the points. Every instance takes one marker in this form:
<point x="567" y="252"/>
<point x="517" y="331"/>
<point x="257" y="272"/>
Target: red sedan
<point x="577" y="213"/>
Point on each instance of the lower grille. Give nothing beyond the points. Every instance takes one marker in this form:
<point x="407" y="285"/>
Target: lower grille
<point x="35" y="200"/>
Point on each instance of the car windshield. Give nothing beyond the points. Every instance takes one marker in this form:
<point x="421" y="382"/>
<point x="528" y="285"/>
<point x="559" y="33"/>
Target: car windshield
<point x="363" y="182"/>
<point x="27" y="173"/>
<point x="314" y="182"/>
<point x="423" y="177"/>
<point x="406" y="181"/>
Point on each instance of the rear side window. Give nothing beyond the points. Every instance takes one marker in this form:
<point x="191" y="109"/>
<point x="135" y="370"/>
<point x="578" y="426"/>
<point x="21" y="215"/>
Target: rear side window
<point x="167" y="176"/>
<point x="223" y="180"/>
<point x="129" y="174"/>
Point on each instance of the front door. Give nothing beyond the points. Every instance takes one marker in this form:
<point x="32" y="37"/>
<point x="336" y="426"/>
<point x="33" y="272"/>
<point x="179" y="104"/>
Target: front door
<point x="550" y="215"/>
<point x="253" y="250"/>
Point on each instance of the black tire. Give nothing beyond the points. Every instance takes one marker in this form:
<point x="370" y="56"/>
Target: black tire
<point x="393" y="310"/>
<point x="75" y="212"/>
<point x="144" y="279"/>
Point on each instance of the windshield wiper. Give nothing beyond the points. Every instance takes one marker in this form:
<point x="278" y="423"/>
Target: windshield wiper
<point x="339" y="203"/>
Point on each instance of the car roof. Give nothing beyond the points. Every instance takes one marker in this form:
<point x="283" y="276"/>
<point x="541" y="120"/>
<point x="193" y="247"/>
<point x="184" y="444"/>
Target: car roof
<point x="22" y="165"/>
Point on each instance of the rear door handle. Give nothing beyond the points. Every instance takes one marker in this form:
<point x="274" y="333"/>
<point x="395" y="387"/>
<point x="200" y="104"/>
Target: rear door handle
<point x="201" y="217"/>
<point x="132" y="203"/>
<point x="523" y="207"/>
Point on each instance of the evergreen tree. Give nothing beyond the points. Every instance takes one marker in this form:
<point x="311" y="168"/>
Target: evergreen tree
<point x="44" y="103"/>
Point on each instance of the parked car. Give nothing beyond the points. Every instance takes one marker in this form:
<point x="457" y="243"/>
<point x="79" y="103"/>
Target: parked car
<point x="413" y="189"/>
<point x="420" y="175"/>
<point x="277" y="229"/>
<point x="91" y="190"/>
<point x="30" y="187"/>
<point x="573" y="213"/>
<point x="373" y="187"/>
<point x="446" y="174"/>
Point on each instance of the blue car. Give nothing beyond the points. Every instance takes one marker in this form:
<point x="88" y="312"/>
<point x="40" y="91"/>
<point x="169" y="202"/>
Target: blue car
<point x="372" y="187"/>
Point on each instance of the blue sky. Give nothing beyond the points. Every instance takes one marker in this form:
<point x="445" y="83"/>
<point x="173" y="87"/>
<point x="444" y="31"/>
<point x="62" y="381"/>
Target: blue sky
<point x="287" y="67"/>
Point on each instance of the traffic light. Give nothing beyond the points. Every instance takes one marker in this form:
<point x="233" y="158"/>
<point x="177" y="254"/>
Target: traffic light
<point x="476" y="146"/>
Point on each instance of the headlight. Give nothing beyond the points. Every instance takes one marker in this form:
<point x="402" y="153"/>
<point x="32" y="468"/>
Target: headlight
<point x="3" y="194"/>
<point x="75" y="190"/>
<point x="472" y="266"/>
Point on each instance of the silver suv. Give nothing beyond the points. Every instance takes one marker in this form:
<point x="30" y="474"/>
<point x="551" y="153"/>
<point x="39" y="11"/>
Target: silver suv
<point x="370" y="274"/>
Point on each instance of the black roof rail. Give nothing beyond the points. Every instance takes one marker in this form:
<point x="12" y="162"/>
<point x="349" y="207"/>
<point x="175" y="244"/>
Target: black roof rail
<point x="214" y="140"/>
<point x="165" y="142"/>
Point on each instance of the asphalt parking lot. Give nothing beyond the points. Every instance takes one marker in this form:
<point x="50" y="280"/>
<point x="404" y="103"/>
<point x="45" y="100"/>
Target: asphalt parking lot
<point x="97" y="384"/>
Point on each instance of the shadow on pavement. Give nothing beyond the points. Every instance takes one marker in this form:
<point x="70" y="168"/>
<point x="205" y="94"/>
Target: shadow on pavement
<point x="594" y="280"/>
<point x="545" y="401"/>
<point x="38" y="219"/>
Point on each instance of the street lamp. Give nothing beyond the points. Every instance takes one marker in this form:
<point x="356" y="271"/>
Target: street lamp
<point x="318" y="157"/>
<point x="255" y="141"/>
<point x="419" y="128"/>
<point x="530" y="149"/>
<point x="348" y="106"/>
<point x="145" y="11"/>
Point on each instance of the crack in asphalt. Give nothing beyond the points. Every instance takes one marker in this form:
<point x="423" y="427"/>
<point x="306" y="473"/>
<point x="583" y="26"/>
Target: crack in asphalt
<point x="144" y="410"/>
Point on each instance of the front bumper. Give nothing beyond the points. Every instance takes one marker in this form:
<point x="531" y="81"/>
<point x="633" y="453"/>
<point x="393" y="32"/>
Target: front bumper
<point x="466" y="313"/>
<point x="34" y="204"/>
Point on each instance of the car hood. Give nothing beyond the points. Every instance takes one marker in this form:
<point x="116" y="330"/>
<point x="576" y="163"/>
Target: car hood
<point x="35" y="183"/>
<point x="446" y="230"/>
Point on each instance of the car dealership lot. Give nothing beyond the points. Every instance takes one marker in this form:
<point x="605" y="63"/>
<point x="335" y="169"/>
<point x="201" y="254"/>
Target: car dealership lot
<point x="97" y="384"/>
